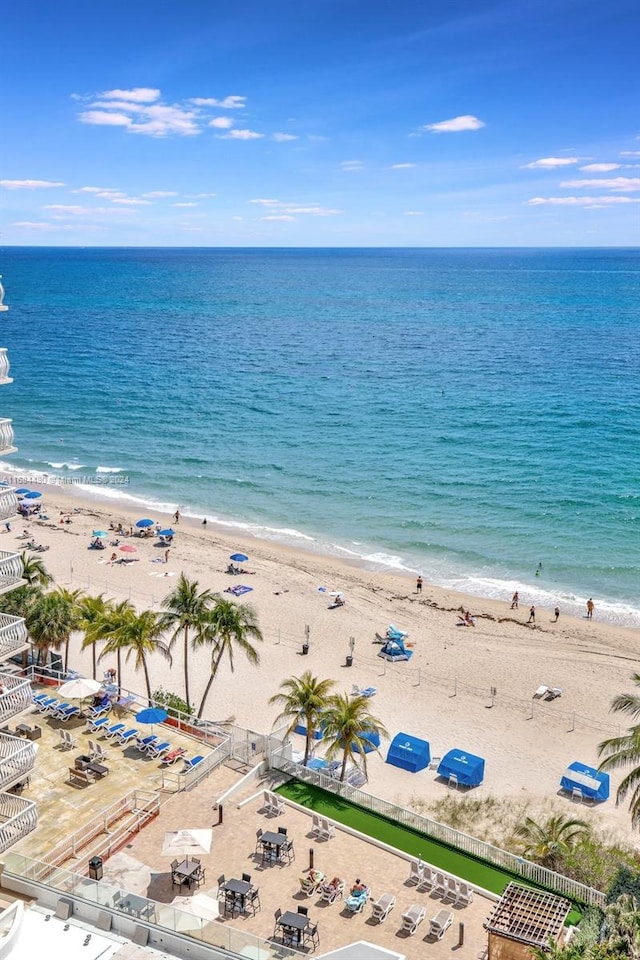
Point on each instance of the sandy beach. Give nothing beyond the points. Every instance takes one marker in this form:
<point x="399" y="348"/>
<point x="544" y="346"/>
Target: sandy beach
<point x="465" y="687"/>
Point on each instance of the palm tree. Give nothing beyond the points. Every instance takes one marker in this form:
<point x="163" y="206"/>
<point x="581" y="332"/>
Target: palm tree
<point x="228" y="625"/>
<point x="136" y="633"/>
<point x="306" y="698"/>
<point x="103" y="627"/>
<point x="50" y="621"/>
<point x="187" y="609"/>
<point x="91" y="610"/>
<point x="347" y="723"/>
<point x="548" y="842"/>
<point x="624" y="751"/>
<point x="34" y="570"/>
<point x="622" y="926"/>
<point x="71" y="598"/>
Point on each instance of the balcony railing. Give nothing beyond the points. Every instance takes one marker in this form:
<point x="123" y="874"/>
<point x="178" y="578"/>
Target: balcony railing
<point x="6" y="437"/>
<point x="17" y="760"/>
<point x="18" y="696"/>
<point x="13" y="636"/>
<point x="4" y="366"/>
<point x="18" y="817"/>
<point x="8" y="503"/>
<point x="10" y="570"/>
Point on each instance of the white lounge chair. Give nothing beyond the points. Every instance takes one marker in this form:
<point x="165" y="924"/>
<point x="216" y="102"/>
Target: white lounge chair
<point x="412" y="919"/>
<point x="332" y="891"/>
<point x="67" y="740"/>
<point x="440" y="884"/>
<point x="415" y="872"/>
<point x="383" y="906"/>
<point x="541" y="692"/>
<point x="465" y="894"/>
<point x="428" y="879"/>
<point x="273" y="804"/>
<point x="451" y="891"/>
<point x="97" y="751"/>
<point x="326" y="830"/>
<point x="439" y="924"/>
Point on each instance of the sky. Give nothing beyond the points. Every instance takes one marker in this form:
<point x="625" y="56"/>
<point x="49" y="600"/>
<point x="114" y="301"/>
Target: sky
<point x="320" y="123"/>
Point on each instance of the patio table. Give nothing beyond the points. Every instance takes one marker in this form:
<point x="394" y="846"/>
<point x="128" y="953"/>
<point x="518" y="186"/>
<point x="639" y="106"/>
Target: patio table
<point x="293" y="925"/>
<point x="187" y="870"/>
<point x="236" y="892"/>
<point x="272" y="842"/>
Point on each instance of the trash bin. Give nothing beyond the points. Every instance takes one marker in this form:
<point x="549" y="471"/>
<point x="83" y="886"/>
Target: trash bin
<point x="349" y="660"/>
<point x="95" y="868"/>
<point x="305" y="649"/>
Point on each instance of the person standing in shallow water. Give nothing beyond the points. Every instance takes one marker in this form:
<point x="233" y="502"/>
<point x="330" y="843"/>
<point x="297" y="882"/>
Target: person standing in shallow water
<point x="590" y="608"/>
<point x="532" y="615"/>
<point x="557" y="614"/>
<point x="419" y="585"/>
<point x="514" y="601"/>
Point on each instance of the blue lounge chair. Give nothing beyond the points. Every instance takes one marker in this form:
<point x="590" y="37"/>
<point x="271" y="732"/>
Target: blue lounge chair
<point x="157" y="750"/>
<point x="142" y="743"/>
<point x="39" y="697"/>
<point x="101" y="723"/>
<point x="55" y="707"/>
<point x="113" y="730"/>
<point x="190" y="764"/>
<point x="43" y="705"/>
<point x="127" y="736"/>
<point x="65" y="713"/>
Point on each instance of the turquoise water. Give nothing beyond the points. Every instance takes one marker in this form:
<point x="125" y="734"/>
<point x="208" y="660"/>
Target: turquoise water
<point x="467" y="414"/>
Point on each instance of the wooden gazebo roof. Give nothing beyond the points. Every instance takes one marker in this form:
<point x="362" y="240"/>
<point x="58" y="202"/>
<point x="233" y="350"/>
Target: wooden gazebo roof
<point x="529" y="916"/>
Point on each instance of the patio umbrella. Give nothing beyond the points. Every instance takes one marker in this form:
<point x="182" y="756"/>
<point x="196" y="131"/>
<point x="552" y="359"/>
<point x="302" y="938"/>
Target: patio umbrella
<point x="80" y="688"/>
<point x="166" y="533"/>
<point x="100" y="534"/>
<point x="187" y="842"/>
<point x="145" y="523"/>
<point x="152" y="715"/>
<point x="128" y="548"/>
<point x="21" y="491"/>
<point x="32" y="495"/>
<point x="239" y="557"/>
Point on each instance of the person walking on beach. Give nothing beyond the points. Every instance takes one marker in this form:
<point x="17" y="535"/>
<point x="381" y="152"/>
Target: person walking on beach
<point x="166" y="556"/>
<point x="557" y="613"/>
<point x="419" y="585"/>
<point x="514" y="601"/>
<point x="176" y="517"/>
<point x="532" y="615"/>
<point x="590" y="608"/>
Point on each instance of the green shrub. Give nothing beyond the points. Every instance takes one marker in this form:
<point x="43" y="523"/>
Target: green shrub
<point x="175" y="706"/>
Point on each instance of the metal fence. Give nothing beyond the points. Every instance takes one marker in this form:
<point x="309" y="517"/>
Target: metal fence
<point x="479" y="849"/>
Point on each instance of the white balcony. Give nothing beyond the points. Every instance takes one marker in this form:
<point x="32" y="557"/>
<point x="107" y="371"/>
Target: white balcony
<point x="4" y="366"/>
<point x="17" y="697"/>
<point x="6" y="437"/>
<point x="18" y="818"/>
<point x="13" y="636"/>
<point x="8" y="504"/>
<point x="17" y="760"/>
<point x="10" y="571"/>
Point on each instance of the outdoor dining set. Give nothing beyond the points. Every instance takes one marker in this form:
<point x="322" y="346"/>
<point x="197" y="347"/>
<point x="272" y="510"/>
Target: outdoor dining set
<point x="274" y="847"/>
<point x="188" y="872"/>
<point x="238" y="896"/>
<point x="295" y="929"/>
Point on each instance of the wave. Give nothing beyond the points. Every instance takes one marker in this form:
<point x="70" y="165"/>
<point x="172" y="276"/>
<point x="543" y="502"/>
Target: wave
<point x="64" y="465"/>
<point x="109" y="469"/>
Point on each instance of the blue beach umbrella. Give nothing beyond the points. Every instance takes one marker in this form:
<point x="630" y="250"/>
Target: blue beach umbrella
<point x="22" y="490"/>
<point x="239" y="557"/>
<point x="152" y="715"/>
<point x="100" y="534"/>
<point x="166" y="533"/>
<point x="32" y="495"/>
<point x="145" y="523"/>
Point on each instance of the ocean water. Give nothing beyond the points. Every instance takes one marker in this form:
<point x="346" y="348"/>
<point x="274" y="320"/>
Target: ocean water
<point x="465" y="414"/>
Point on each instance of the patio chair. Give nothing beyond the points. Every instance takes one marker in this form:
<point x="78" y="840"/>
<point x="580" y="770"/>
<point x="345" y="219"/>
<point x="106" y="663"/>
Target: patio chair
<point x="253" y="900"/>
<point x="174" y="864"/>
<point x="311" y="882"/>
<point x="67" y="740"/>
<point x="439" y="924"/>
<point x="315" y="824"/>
<point x="190" y="764"/>
<point x="222" y="893"/>
<point x="43" y="706"/>
<point x="412" y="919"/>
<point x="173" y="755"/>
<point x="357" y="899"/>
<point x="453" y="781"/>
<point x="464" y="895"/>
<point x="451" y="891"/>
<point x="383" y="906"/>
<point x="99" y="724"/>
<point x="332" y="891"/>
<point x="113" y="731"/>
<point x="258" y="838"/>
<point x="142" y="743"/>
<point x="303" y="911"/>
<point x="97" y="751"/>
<point x="415" y="872"/>
<point x="276" y="916"/>
<point x="157" y="750"/>
<point x="428" y="880"/>
<point x="577" y="795"/>
<point x="326" y="830"/>
<point x="439" y="884"/>
<point x="310" y="932"/>
<point x="66" y="713"/>
<point x="126" y="736"/>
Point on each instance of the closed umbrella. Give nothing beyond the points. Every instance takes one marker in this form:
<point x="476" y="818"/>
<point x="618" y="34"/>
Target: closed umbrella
<point x="239" y="557"/>
<point x="187" y="842"/>
<point x="145" y="523"/>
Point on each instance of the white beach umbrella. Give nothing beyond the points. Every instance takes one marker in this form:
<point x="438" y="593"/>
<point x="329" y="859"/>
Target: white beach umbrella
<point x="79" y="688"/>
<point x="187" y="842"/>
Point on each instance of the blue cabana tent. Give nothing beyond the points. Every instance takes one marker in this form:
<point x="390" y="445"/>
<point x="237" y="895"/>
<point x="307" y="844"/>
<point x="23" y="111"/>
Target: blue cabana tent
<point x="394" y="650"/>
<point x="468" y="770"/>
<point x="593" y="783"/>
<point x="371" y="742"/>
<point x="408" y="753"/>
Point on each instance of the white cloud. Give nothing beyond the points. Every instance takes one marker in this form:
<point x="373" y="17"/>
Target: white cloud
<point x="241" y="135"/>
<point x="158" y="194"/>
<point x="630" y="153"/>
<point x="34" y="225"/>
<point x="402" y="166"/>
<point x="136" y="95"/>
<point x="281" y="217"/>
<point x="102" y="118"/>
<point x="118" y="196"/>
<point x="352" y="166"/>
<point x="601" y="167"/>
<point x="186" y="204"/>
<point x="284" y="137"/>
<point x="580" y="201"/>
<point x="202" y="196"/>
<point x="266" y="203"/>
<point x="222" y="123"/>
<point x="613" y="183"/>
<point x="29" y="184"/>
<point x="131" y="201"/>
<point x="141" y="111"/>
<point x="65" y="209"/>
<point x="455" y="125"/>
<point x="229" y="103"/>
<point x="413" y="213"/>
<point x="550" y="163"/>
<point x="288" y="208"/>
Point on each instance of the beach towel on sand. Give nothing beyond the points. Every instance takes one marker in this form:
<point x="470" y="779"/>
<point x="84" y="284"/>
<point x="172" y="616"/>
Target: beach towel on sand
<point x="238" y="590"/>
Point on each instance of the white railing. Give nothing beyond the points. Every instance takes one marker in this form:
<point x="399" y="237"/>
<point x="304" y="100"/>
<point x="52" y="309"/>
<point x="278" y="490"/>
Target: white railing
<point x="479" y="849"/>
<point x="6" y="437"/>
<point x="10" y="569"/>
<point x="13" y="635"/>
<point x="187" y="780"/>
<point x="17" y="697"/>
<point x="17" y="759"/>
<point x="10" y="927"/>
<point x="18" y="817"/>
<point x="8" y="503"/>
<point x="4" y="366"/>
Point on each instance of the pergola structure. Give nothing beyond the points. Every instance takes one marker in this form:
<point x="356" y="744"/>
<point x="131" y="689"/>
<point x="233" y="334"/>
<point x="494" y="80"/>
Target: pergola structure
<point x="523" y="919"/>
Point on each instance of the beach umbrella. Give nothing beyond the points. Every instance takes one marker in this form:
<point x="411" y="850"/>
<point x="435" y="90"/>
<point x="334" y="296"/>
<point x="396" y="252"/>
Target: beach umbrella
<point x="152" y="715"/>
<point x="145" y="523"/>
<point x="187" y="842"/>
<point x="100" y="534"/>
<point x="21" y="491"/>
<point x="80" y="688"/>
<point x="239" y="557"/>
<point x="166" y="533"/>
<point x="32" y="495"/>
<point x="128" y="548"/>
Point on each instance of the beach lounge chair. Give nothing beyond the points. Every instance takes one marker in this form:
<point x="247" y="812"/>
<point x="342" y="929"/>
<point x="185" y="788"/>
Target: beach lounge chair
<point x="113" y="731"/>
<point x="415" y="872"/>
<point x="554" y="693"/>
<point x="412" y="919"/>
<point x="464" y="895"/>
<point x="157" y="750"/>
<point x="39" y="697"/>
<point x="173" y="755"/>
<point x="428" y="879"/>
<point x="440" y="885"/>
<point x="96" y="724"/>
<point x="142" y="743"/>
<point x="451" y="891"/>
<point x="439" y="924"/>
<point x="310" y="883"/>
<point x="44" y="705"/>
<point x="383" y="906"/>
<point x="357" y="899"/>
<point x="65" y="713"/>
<point x="126" y="736"/>
<point x="541" y="692"/>
<point x="326" y="830"/>
<point x="190" y="764"/>
<point x="332" y="891"/>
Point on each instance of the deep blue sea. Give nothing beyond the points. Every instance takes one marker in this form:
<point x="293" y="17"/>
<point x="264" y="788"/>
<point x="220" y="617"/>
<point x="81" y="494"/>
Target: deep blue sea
<point x="468" y="414"/>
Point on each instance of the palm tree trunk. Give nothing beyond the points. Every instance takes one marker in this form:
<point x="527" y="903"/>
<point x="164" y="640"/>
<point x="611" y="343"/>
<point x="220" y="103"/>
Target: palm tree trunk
<point x="344" y="762"/>
<point x="186" y="665"/>
<point x="214" y="669"/>
<point x="94" y="661"/>
<point x="307" y="745"/>
<point x="146" y="678"/>
<point x="66" y="654"/>
<point x="119" y="666"/>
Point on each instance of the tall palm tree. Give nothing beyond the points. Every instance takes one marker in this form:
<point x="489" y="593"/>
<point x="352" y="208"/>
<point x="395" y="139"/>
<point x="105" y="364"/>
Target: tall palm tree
<point x="228" y="626"/>
<point x="91" y="611"/>
<point x="138" y="635"/>
<point x="622" y="926"/>
<point x="303" y="697"/>
<point x="548" y="842"/>
<point x="187" y="610"/>
<point x="72" y="599"/>
<point x="624" y="751"/>
<point x="347" y="722"/>
<point x="50" y="621"/>
<point x="103" y="627"/>
<point x="34" y="570"/>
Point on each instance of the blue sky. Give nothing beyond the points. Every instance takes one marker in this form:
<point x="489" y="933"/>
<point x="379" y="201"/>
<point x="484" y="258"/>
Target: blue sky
<point x="320" y="123"/>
